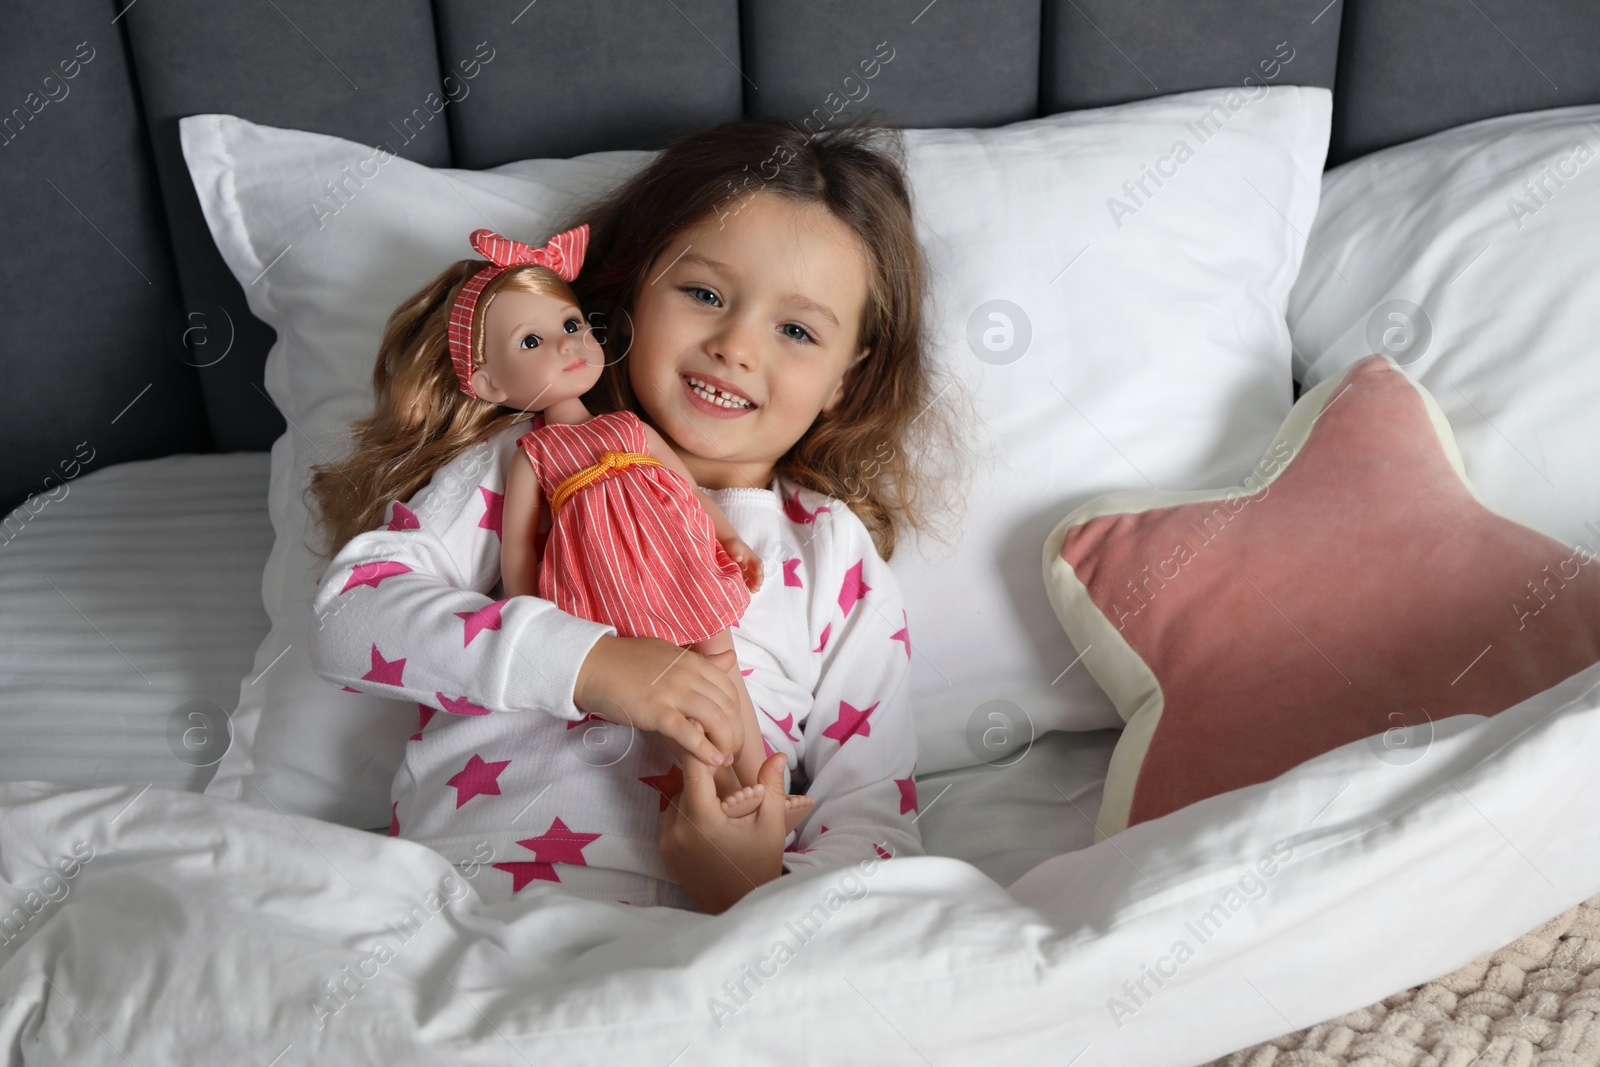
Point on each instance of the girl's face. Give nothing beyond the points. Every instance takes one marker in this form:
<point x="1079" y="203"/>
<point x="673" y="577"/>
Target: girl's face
<point x="743" y="328"/>
<point x="537" y="351"/>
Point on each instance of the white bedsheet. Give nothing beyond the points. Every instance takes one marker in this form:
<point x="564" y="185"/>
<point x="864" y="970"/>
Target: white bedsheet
<point x="125" y="604"/>
<point x="204" y="930"/>
<point x="1029" y="806"/>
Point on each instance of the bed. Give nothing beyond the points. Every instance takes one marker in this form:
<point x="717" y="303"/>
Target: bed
<point x="151" y="916"/>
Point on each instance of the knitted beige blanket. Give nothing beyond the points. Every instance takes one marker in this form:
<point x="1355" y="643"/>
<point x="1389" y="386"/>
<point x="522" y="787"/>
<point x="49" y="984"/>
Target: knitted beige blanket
<point x="1534" y="1003"/>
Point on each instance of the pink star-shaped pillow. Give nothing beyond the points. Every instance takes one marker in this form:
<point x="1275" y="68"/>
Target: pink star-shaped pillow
<point x="1354" y="584"/>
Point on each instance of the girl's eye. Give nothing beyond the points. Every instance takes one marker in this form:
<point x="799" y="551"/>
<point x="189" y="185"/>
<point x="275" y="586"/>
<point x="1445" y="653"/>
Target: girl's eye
<point x="805" y="335"/>
<point x="530" y="341"/>
<point x="572" y="325"/>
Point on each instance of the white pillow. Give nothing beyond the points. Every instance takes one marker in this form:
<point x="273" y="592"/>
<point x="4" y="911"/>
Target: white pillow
<point x="1159" y="356"/>
<point x="1185" y="365"/>
<point x="1469" y="256"/>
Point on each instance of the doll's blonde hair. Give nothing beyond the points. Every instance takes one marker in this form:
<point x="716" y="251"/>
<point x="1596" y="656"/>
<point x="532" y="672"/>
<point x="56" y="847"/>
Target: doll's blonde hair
<point x="421" y="418"/>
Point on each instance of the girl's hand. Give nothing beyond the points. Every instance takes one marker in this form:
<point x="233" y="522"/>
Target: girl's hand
<point x="655" y="685"/>
<point x="718" y="859"/>
<point x="745" y="556"/>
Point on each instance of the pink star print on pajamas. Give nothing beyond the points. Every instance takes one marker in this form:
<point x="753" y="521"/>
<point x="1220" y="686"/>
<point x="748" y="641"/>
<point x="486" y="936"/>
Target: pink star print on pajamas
<point x="373" y="573"/>
<point x="403" y="519"/>
<point x="853" y="589"/>
<point x="494" y="506"/>
<point x="797" y="512"/>
<point x="792" y="848"/>
<point x="852" y="722"/>
<point x="477" y="777"/>
<point x="523" y="872"/>
<point x="485" y="618"/>
<point x="460" y="705"/>
<point x="668" y="785"/>
<point x="385" y="671"/>
<point x="559" y="844"/>
<point x="824" y="642"/>
<point x="908" y="792"/>
<point x="903" y="634"/>
<point x="782" y="724"/>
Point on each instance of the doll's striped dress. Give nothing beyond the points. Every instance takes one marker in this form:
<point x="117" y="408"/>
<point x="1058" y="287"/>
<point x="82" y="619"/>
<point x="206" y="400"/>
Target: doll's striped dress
<point x="634" y="548"/>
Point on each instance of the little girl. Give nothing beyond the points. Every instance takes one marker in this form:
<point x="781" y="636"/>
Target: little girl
<point x="631" y="544"/>
<point x="771" y="334"/>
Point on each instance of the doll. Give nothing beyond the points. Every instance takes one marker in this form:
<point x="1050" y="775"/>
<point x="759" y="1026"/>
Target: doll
<point x="633" y="542"/>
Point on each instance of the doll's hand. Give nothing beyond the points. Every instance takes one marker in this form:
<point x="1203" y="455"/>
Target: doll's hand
<point x="749" y="563"/>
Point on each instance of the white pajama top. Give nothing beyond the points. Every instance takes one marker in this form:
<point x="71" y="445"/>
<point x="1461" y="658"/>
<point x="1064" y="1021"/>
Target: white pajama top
<point x="506" y="776"/>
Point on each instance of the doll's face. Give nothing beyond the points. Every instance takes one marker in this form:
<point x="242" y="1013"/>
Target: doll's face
<point x="762" y="303"/>
<point x="537" y="351"/>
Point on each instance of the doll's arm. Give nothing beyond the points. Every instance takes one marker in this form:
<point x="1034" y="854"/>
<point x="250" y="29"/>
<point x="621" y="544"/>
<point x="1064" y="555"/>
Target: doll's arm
<point x="519" y="559"/>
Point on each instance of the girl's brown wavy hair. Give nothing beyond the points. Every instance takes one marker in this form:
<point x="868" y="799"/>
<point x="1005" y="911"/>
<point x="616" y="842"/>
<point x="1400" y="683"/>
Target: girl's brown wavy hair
<point x="889" y="449"/>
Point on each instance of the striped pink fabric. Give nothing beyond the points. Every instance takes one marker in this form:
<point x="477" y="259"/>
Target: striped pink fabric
<point x="563" y="254"/>
<point x="635" y="550"/>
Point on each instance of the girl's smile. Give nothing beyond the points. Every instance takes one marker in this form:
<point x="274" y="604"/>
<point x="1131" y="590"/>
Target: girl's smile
<point x="746" y="334"/>
<point x="716" y="397"/>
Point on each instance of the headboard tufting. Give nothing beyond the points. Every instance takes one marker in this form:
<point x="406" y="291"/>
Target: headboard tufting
<point x="117" y="308"/>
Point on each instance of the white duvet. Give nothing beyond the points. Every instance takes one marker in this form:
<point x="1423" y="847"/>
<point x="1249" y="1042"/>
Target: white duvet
<point x="162" y="927"/>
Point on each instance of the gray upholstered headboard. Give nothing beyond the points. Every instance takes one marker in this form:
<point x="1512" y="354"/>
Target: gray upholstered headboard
<point x="116" y="306"/>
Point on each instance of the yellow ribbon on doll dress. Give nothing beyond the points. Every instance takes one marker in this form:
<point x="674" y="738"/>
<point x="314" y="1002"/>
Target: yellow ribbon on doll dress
<point x="610" y="460"/>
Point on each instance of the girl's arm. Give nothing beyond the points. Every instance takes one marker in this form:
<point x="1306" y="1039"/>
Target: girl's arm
<point x="403" y="611"/>
<point x="519" y="559"/>
<point x="860" y="746"/>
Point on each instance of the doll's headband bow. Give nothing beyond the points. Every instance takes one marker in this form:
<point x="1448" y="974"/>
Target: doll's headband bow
<point x="562" y="254"/>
